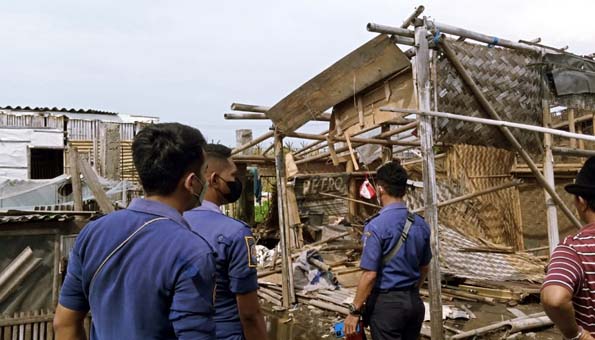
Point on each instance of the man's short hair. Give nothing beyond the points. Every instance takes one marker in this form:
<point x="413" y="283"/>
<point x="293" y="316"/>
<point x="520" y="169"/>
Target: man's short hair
<point x="590" y="203"/>
<point x="163" y="153"/>
<point x="393" y="178"/>
<point x="217" y="151"/>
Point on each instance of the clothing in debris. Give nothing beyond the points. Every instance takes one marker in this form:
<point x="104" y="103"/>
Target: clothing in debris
<point x="236" y="263"/>
<point x="159" y="284"/>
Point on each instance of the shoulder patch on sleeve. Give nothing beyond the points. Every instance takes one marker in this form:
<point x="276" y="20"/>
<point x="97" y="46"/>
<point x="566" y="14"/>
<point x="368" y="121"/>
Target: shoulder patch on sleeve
<point x="251" y="251"/>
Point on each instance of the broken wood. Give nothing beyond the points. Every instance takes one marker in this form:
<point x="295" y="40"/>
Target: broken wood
<point x="532" y="321"/>
<point x="105" y="205"/>
<point x="353" y="158"/>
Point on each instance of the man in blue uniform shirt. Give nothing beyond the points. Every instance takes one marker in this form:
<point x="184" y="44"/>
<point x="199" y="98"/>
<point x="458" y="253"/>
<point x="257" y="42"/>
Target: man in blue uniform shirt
<point x="237" y="310"/>
<point x="393" y="271"/>
<point x="141" y="271"/>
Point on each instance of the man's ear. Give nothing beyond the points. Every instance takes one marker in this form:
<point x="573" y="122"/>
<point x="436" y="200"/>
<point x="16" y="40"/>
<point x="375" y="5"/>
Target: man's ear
<point x="581" y="203"/>
<point x="188" y="181"/>
<point x="212" y="178"/>
<point x="380" y="189"/>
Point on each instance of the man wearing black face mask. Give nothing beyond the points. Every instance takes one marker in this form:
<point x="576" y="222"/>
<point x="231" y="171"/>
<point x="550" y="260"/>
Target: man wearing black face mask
<point x="237" y="310"/>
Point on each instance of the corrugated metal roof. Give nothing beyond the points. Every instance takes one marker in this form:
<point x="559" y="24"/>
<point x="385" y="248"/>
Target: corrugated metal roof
<point x="57" y="109"/>
<point x="35" y="218"/>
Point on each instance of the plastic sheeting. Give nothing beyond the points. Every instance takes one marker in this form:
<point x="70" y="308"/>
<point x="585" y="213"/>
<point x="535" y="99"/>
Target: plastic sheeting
<point x="571" y="75"/>
<point x="27" y="194"/>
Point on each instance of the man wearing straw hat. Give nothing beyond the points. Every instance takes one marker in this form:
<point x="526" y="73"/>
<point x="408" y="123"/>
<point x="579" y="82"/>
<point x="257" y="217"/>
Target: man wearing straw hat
<point x="568" y="293"/>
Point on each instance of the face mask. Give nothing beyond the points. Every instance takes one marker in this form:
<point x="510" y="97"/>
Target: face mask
<point x="235" y="191"/>
<point x="200" y="197"/>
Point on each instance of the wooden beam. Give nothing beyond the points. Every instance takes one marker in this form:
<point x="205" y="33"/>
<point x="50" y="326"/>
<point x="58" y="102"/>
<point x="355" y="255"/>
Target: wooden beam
<point x="105" y="205"/>
<point x="505" y="130"/>
<point x="252" y="143"/>
<point x="324" y="117"/>
<point x="287" y="268"/>
<point x="422" y="77"/>
<point x="75" y="178"/>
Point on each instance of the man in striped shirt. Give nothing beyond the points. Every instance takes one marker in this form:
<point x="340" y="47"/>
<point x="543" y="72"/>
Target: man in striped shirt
<point x="568" y="292"/>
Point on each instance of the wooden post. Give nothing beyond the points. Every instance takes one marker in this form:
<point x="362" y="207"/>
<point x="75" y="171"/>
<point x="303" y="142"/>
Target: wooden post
<point x="478" y="94"/>
<point x="387" y="151"/>
<point x="287" y="268"/>
<point x="110" y="144"/>
<point x="571" y="127"/>
<point x="75" y="178"/>
<point x="56" y="271"/>
<point x="352" y="190"/>
<point x="548" y="172"/>
<point x="246" y="202"/>
<point x="243" y="137"/>
<point x="422" y="76"/>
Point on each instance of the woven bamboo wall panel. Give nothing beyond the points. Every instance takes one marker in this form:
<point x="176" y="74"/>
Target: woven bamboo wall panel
<point x="534" y="212"/>
<point x="510" y="82"/>
<point x="85" y="149"/>
<point x="478" y="168"/>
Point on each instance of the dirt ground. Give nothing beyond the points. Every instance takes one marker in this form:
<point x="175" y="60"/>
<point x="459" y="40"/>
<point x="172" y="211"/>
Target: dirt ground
<point x="310" y="323"/>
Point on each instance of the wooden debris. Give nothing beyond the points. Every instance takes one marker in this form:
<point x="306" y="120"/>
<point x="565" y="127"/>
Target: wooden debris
<point x="529" y="322"/>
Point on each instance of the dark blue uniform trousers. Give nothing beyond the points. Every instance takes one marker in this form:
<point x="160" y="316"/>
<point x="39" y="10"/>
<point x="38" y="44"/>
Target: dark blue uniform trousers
<point x="395" y="314"/>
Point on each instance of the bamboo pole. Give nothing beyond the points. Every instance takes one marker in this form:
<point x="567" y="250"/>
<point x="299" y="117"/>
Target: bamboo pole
<point x="345" y="148"/>
<point x="325" y="116"/>
<point x="505" y="130"/>
<point x="344" y="139"/>
<point x="422" y="77"/>
<point x="252" y="143"/>
<point x="403" y="32"/>
<point x="287" y="268"/>
<point x="583" y="118"/>
<point x="255" y="116"/>
<point x="416" y="13"/>
<point x="473" y="195"/>
<point x="492" y="122"/>
<point x="492" y="40"/>
<point x="572" y="152"/>
<point x="407" y="126"/>
<point x="548" y="172"/>
<point x="105" y="205"/>
<point x="311" y="145"/>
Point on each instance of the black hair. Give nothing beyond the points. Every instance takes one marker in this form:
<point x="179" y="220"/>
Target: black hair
<point x="393" y="178"/>
<point x="218" y="151"/>
<point x="590" y="202"/>
<point x="165" y="152"/>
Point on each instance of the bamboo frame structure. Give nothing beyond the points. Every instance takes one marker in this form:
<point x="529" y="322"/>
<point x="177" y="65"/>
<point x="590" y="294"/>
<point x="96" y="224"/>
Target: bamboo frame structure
<point x="422" y="80"/>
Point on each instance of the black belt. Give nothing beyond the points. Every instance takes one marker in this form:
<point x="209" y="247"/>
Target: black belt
<point x="397" y="289"/>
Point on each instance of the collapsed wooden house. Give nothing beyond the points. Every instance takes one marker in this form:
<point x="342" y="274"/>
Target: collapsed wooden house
<point x="491" y="127"/>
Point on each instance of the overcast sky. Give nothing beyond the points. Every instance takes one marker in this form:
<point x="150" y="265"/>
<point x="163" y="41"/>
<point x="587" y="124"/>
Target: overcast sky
<point x="188" y="60"/>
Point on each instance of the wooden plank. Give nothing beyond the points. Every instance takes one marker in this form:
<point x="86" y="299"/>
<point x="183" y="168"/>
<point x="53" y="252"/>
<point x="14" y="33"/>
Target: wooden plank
<point x="105" y="205"/>
<point x="365" y="66"/>
<point x="75" y="178"/>
<point x="351" y="153"/>
<point x="28" y="329"/>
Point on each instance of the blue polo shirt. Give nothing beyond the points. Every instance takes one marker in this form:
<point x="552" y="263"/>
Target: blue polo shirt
<point x="381" y="233"/>
<point x="236" y="263"/>
<point x="159" y="285"/>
